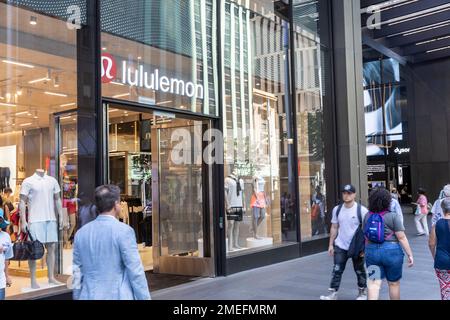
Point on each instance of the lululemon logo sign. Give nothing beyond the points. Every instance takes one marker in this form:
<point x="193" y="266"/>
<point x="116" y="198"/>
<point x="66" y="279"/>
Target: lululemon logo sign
<point x="109" y="68"/>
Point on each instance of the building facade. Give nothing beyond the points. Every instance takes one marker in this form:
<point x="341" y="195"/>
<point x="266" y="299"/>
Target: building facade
<point x="143" y="94"/>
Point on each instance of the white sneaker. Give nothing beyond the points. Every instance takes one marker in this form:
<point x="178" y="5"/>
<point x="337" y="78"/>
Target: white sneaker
<point x="331" y="296"/>
<point x="362" y="295"/>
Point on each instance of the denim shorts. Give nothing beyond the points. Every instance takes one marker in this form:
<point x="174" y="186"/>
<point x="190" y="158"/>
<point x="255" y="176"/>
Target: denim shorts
<point x="2" y="294"/>
<point x="384" y="261"/>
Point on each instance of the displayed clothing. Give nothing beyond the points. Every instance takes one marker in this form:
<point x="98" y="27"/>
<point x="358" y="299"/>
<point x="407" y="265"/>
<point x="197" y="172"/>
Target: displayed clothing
<point x="258" y="198"/>
<point x="70" y="205"/>
<point x="44" y="231"/>
<point x="40" y="192"/>
<point x="69" y="193"/>
<point x="259" y="212"/>
<point x="5" y="175"/>
<point x="124" y="212"/>
<point x="234" y="191"/>
<point x="235" y="213"/>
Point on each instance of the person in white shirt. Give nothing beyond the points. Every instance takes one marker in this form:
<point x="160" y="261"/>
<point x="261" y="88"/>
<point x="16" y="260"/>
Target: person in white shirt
<point x="396" y="207"/>
<point x="6" y="253"/>
<point x="345" y="223"/>
<point x="436" y="210"/>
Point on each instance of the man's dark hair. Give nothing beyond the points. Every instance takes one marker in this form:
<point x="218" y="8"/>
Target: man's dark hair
<point x="7" y="190"/>
<point x="106" y="197"/>
<point x="421" y="191"/>
<point x="379" y="200"/>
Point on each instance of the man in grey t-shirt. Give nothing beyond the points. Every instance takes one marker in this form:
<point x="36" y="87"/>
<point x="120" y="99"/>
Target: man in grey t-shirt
<point x="344" y="226"/>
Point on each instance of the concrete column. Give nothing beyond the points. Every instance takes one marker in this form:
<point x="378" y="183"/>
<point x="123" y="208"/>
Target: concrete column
<point x="349" y="100"/>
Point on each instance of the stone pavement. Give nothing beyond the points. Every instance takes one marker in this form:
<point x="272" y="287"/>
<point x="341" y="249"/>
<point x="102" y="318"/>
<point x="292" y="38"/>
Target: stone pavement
<point x="307" y="278"/>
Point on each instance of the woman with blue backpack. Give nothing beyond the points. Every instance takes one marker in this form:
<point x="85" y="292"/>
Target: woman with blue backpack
<point x="385" y="238"/>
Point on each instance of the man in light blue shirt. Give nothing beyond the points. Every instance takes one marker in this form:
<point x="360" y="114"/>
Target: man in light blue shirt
<point x="106" y="261"/>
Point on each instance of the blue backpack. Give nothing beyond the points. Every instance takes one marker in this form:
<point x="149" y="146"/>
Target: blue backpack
<point x="374" y="228"/>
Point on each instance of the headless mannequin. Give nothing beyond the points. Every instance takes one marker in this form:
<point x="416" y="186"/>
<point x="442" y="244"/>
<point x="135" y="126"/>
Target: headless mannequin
<point x="257" y="193"/>
<point x="233" y="225"/>
<point x="51" y="247"/>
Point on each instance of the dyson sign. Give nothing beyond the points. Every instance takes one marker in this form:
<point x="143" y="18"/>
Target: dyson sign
<point x="140" y="77"/>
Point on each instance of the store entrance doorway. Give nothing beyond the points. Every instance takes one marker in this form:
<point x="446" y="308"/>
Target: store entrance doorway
<point x="156" y="158"/>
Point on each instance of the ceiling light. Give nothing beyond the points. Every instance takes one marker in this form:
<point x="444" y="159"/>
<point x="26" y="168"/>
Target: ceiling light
<point x="68" y="104"/>
<point x="26" y="124"/>
<point x="427" y="28"/>
<point x="8" y="104"/>
<point x="164" y="102"/>
<point x="67" y="117"/>
<point x="104" y="48"/>
<point x="121" y="95"/>
<point x="2" y="98"/>
<point x="439" y="49"/>
<point x="139" y="58"/>
<point x="39" y="80"/>
<point x="113" y="110"/>
<point x="117" y="83"/>
<point x="21" y="113"/>
<point x="33" y="20"/>
<point x="20" y="64"/>
<point x="55" y="94"/>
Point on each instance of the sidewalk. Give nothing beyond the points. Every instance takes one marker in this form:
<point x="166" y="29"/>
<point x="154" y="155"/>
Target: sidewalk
<point x="307" y="278"/>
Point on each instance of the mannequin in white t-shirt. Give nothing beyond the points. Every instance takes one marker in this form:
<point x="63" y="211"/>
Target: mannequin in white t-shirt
<point x="41" y="193"/>
<point x="234" y="192"/>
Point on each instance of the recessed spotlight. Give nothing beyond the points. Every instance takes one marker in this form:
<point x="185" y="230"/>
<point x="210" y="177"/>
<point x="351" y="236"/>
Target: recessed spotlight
<point x="139" y="58"/>
<point x="38" y="80"/>
<point x="20" y="64"/>
<point x="33" y="20"/>
<point x="68" y="104"/>
<point x="121" y="95"/>
<point x="104" y="48"/>
<point x="8" y="104"/>
<point x="55" y="94"/>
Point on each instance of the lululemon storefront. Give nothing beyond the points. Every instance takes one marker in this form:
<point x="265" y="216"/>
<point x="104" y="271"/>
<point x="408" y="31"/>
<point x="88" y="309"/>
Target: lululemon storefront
<point x="191" y="107"/>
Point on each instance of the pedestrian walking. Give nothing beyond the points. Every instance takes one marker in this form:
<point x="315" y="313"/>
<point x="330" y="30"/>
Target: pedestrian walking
<point x="439" y="244"/>
<point x="394" y="194"/>
<point x="421" y="214"/>
<point x="436" y="210"/>
<point x="385" y="234"/>
<point x="6" y="253"/>
<point x="396" y="207"/>
<point x="347" y="242"/>
<point x="106" y="261"/>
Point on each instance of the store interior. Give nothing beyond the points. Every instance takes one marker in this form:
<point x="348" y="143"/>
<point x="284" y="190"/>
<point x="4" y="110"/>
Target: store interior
<point x="38" y="102"/>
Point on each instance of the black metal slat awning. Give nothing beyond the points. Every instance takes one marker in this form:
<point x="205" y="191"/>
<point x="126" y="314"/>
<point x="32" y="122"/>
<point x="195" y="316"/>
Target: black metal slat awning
<point x="416" y="30"/>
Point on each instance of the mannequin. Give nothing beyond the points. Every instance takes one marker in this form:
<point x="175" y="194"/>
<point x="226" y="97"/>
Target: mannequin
<point x="42" y="195"/>
<point x="234" y="191"/>
<point x="258" y="203"/>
